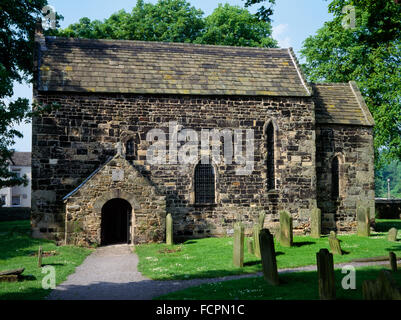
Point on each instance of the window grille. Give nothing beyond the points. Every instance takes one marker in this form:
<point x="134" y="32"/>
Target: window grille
<point x="271" y="184"/>
<point x="204" y="184"/>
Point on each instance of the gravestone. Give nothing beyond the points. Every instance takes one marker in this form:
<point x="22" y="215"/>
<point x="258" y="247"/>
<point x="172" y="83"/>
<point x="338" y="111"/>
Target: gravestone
<point x="40" y="252"/>
<point x="238" y="247"/>
<point x="11" y="275"/>
<point x="392" y="234"/>
<point x="363" y="219"/>
<point x="335" y="246"/>
<point x="268" y="255"/>
<point x="285" y="229"/>
<point x="169" y="229"/>
<point x="256" y="231"/>
<point x="316" y="223"/>
<point x="393" y="261"/>
<point x="261" y="220"/>
<point x="249" y="244"/>
<point x="383" y="288"/>
<point x="325" y="272"/>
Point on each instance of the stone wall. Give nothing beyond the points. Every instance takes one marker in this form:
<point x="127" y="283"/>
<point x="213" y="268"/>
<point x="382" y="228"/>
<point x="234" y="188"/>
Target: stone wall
<point x="353" y="145"/>
<point x="84" y="207"/>
<point x="74" y="140"/>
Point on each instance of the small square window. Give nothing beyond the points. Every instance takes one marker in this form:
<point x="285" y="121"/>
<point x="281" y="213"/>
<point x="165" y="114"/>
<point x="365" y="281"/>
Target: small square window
<point x="17" y="172"/>
<point x="16" y="201"/>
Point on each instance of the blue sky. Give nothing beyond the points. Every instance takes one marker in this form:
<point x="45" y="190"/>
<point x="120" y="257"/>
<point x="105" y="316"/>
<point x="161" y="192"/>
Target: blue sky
<point x="293" y="22"/>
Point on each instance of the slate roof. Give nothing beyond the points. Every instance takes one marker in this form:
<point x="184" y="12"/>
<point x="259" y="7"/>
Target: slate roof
<point x="21" y="159"/>
<point x="340" y="103"/>
<point x="118" y="66"/>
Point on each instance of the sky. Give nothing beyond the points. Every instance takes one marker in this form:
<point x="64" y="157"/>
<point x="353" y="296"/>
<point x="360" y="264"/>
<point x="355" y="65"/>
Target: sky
<point x="293" y="22"/>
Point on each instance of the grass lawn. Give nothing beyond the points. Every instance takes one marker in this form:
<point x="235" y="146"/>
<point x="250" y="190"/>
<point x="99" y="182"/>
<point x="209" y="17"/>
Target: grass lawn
<point x="293" y="286"/>
<point x="212" y="257"/>
<point x="16" y="251"/>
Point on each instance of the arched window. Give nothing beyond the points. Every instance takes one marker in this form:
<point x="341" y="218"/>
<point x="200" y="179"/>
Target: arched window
<point x="129" y="149"/>
<point x="204" y="184"/>
<point x="335" y="178"/>
<point x="271" y="183"/>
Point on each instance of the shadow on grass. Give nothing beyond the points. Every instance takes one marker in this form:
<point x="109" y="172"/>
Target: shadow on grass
<point x="385" y="226"/>
<point x="303" y="243"/>
<point x="293" y="286"/>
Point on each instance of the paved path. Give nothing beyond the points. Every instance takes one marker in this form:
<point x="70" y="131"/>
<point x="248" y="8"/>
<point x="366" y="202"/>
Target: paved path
<point x="110" y="273"/>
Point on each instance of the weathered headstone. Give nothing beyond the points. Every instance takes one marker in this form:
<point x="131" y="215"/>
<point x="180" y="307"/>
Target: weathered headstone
<point x="325" y="272"/>
<point x="268" y="254"/>
<point x="393" y="261"/>
<point x="335" y="246"/>
<point x="249" y="244"/>
<point x="256" y="231"/>
<point x="285" y="229"/>
<point x="238" y="254"/>
<point x="169" y="229"/>
<point x="261" y="220"/>
<point x="40" y="252"/>
<point x="363" y="219"/>
<point x="11" y="275"/>
<point x="316" y="223"/>
<point x="383" y="288"/>
<point x="392" y="234"/>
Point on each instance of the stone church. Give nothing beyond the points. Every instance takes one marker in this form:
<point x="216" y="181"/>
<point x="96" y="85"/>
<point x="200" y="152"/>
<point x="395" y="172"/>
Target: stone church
<point x="93" y="183"/>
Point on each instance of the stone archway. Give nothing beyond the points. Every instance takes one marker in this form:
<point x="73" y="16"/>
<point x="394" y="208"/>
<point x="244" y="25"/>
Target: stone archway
<point x="116" y="222"/>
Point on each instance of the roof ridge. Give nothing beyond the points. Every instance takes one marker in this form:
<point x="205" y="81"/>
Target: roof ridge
<point x="301" y="75"/>
<point x="187" y="44"/>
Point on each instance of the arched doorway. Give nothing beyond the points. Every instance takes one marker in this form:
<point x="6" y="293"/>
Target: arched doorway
<point x="116" y="222"/>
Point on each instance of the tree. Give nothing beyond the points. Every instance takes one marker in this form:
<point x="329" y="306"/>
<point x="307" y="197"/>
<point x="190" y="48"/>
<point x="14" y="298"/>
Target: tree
<point x="263" y="13"/>
<point x="370" y="54"/>
<point x="17" y="28"/>
<point x="177" y="21"/>
<point x="234" y="26"/>
<point x="167" y="20"/>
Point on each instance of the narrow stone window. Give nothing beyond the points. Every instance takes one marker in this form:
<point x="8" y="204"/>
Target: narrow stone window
<point x="335" y="179"/>
<point x="271" y="183"/>
<point x="204" y="184"/>
<point x="129" y="149"/>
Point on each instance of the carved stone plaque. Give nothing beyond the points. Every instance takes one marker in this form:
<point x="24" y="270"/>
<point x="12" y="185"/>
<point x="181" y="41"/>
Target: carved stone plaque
<point x="117" y="175"/>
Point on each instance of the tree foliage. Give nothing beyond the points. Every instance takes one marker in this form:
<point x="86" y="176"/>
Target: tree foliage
<point x="17" y="29"/>
<point x="263" y="13"/>
<point x="177" y="21"/>
<point x="370" y="54"/>
<point x="234" y="26"/>
<point x="391" y="171"/>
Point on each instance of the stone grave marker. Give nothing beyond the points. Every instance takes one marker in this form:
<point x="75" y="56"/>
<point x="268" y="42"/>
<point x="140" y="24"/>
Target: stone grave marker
<point x="393" y="261"/>
<point x="383" y="288"/>
<point x="268" y="254"/>
<point x="238" y="254"/>
<point x="285" y="229"/>
<point x="40" y="253"/>
<point x="316" y="223"/>
<point x="363" y="220"/>
<point x="392" y="234"/>
<point x="335" y="246"/>
<point x="169" y="229"/>
<point x="325" y="272"/>
<point x="249" y="244"/>
<point x="256" y="231"/>
<point x="261" y="220"/>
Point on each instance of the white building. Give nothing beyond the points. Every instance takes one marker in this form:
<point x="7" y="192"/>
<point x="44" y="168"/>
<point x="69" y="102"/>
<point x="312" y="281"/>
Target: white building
<point x="19" y="196"/>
